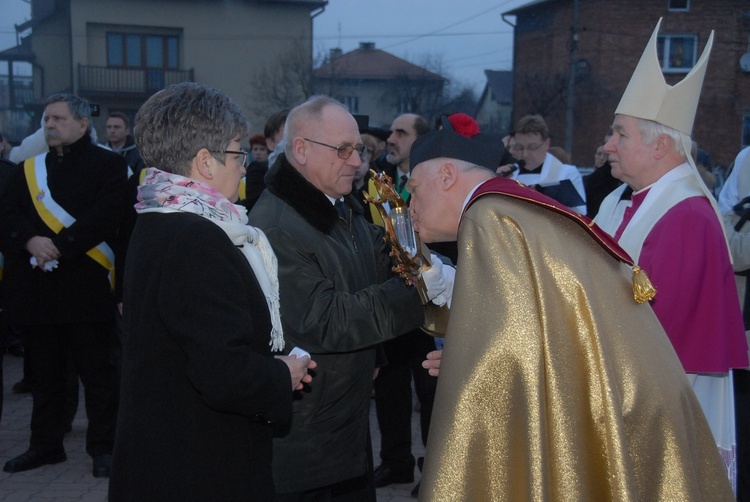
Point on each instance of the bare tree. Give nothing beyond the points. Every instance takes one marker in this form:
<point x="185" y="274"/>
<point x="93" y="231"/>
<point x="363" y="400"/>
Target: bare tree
<point x="285" y="83"/>
<point x="419" y="92"/>
<point x="459" y="99"/>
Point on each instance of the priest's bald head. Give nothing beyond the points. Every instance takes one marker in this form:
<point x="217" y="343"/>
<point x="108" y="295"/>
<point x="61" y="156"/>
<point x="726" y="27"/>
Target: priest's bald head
<point x="446" y="165"/>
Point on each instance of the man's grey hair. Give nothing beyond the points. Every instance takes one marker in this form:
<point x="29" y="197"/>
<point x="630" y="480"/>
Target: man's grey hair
<point x="174" y="124"/>
<point x="79" y="107"/>
<point x="651" y="130"/>
<point x="310" y="110"/>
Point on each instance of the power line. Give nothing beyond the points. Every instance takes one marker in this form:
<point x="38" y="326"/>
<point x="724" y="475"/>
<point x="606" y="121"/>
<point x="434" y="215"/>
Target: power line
<point x="496" y="62"/>
<point x="474" y="56"/>
<point x="434" y="32"/>
<point x="379" y="36"/>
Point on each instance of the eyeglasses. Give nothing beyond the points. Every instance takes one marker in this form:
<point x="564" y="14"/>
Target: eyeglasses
<point x="344" y="152"/>
<point x="242" y="159"/>
<point x="530" y="148"/>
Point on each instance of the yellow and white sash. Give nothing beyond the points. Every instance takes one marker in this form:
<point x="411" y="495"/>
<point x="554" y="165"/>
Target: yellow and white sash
<point x="242" y="189"/>
<point x="57" y="218"/>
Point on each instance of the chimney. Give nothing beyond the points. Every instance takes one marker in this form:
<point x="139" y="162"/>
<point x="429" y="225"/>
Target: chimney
<point x="335" y="52"/>
<point x="367" y="46"/>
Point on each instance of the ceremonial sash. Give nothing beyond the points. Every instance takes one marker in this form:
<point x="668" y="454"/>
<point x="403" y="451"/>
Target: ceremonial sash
<point x="376" y="218"/>
<point x="57" y="218"/>
<point x="671" y="189"/>
<point x="405" y="194"/>
<point x="242" y="189"/>
<point x="551" y="171"/>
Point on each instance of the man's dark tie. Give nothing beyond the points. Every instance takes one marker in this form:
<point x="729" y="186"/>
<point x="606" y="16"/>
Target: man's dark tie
<point x="402" y="182"/>
<point x="341" y="208"/>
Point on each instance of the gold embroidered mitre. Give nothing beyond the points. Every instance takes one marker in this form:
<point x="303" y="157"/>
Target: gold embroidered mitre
<point x="649" y="97"/>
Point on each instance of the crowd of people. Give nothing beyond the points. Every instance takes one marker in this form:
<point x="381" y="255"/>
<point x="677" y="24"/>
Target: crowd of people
<point x="230" y="305"/>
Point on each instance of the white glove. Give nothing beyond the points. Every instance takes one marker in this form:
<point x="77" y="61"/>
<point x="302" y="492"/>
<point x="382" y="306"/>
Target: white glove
<point x="439" y="282"/>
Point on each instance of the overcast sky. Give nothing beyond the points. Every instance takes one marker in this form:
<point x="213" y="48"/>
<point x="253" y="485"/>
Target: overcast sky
<point x="12" y="12"/>
<point x="465" y="36"/>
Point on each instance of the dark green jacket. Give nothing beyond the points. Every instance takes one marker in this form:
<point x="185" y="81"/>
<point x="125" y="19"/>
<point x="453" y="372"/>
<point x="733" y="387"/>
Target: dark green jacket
<point x="338" y="301"/>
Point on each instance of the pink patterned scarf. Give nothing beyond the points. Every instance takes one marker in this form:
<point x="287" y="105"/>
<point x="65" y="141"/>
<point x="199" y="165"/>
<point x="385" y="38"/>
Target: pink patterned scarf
<point x="164" y="192"/>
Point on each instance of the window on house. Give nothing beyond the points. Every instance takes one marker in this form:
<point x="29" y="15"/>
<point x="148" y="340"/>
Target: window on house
<point x="679" y="5"/>
<point x="352" y="103"/>
<point x="404" y="105"/>
<point x="677" y="53"/>
<point x="142" y="51"/>
<point x="746" y="130"/>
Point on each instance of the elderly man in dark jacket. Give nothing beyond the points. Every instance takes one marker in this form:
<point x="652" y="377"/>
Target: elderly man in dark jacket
<point x="338" y="300"/>
<point x="62" y="213"/>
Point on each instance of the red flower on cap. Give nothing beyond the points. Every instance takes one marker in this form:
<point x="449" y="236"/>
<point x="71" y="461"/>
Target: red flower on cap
<point x="464" y="125"/>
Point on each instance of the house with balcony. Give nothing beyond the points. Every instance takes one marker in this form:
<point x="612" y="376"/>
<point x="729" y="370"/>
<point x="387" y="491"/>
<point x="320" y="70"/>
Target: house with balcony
<point x="600" y="44"/>
<point x="117" y="53"/>
<point x="378" y="84"/>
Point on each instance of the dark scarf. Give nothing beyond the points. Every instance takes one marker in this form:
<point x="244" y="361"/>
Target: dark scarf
<point x="285" y="182"/>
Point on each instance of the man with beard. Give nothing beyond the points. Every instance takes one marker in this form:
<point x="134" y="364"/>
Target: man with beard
<point x="405" y="130"/>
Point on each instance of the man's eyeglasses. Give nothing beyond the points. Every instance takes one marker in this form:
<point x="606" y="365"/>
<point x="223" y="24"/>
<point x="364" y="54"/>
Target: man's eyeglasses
<point x="242" y="155"/>
<point x="344" y="152"/>
<point x="530" y="148"/>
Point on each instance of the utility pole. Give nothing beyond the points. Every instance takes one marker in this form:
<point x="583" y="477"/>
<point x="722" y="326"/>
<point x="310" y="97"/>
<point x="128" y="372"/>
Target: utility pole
<point x="571" y="81"/>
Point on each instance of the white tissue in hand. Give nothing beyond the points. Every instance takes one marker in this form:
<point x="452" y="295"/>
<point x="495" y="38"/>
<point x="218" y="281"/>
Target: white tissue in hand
<point x="48" y="266"/>
<point x="300" y="353"/>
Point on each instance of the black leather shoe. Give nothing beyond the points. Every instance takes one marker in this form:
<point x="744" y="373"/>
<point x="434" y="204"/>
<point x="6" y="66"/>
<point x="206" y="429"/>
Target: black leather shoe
<point x="33" y="459"/>
<point x="384" y="476"/>
<point x="22" y="387"/>
<point x="102" y="464"/>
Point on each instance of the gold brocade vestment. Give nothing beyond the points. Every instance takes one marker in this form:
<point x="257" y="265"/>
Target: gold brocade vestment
<point x="555" y="384"/>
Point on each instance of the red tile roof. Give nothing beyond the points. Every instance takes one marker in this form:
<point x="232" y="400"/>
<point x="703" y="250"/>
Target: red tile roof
<point x="372" y="64"/>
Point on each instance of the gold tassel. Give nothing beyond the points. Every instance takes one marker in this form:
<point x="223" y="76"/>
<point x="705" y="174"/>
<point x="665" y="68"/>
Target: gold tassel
<point x="643" y="290"/>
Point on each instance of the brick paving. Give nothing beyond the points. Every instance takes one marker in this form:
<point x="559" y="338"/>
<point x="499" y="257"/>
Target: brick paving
<point x="72" y="480"/>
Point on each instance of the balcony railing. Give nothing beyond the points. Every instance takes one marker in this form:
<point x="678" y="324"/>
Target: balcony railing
<point x="101" y="79"/>
<point x="22" y="91"/>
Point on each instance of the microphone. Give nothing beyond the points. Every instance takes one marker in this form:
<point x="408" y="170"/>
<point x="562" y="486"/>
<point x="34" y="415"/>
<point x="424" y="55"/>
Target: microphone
<point x="516" y="165"/>
<point x="519" y="164"/>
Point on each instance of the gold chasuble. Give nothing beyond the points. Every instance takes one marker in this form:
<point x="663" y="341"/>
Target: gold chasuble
<point x="555" y="385"/>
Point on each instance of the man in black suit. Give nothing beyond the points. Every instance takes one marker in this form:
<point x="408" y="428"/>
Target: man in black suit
<point x="63" y="210"/>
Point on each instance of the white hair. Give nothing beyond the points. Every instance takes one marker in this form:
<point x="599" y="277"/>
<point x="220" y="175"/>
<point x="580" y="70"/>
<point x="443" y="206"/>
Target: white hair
<point x="651" y="130"/>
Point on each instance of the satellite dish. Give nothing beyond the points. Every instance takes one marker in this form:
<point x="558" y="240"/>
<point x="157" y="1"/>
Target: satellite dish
<point x="745" y="62"/>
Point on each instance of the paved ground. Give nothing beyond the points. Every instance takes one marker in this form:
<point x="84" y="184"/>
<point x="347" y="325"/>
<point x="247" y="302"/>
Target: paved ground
<point x="72" y="480"/>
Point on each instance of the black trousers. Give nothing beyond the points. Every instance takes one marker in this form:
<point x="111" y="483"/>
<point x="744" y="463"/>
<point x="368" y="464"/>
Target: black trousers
<point x="90" y="345"/>
<point x="2" y="356"/>
<point x="742" y="424"/>
<point x="393" y="397"/>
<point x="359" y="489"/>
